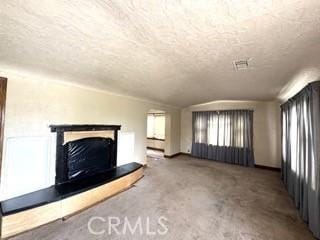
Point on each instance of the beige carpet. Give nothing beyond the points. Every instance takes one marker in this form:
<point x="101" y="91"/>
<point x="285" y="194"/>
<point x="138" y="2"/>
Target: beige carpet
<point x="200" y="200"/>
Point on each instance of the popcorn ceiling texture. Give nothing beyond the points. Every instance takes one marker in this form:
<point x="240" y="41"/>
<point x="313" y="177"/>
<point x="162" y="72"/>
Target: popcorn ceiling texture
<point x="176" y="52"/>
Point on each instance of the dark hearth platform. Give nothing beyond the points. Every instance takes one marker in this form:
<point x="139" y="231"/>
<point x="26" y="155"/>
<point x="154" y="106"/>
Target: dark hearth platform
<point x="62" y="191"/>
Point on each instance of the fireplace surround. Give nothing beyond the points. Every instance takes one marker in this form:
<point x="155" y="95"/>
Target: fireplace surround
<point x="86" y="174"/>
<point x="84" y="150"/>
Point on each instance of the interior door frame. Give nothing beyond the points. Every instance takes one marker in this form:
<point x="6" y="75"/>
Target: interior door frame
<point x="3" y="97"/>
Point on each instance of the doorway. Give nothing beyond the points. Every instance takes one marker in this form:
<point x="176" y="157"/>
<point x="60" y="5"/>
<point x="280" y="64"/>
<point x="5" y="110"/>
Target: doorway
<point x="3" y="94"/>
<point x="156" y="125"/>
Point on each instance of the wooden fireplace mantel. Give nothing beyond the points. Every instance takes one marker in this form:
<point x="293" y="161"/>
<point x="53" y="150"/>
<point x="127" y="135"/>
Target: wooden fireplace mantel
<point x="32" y="210"/>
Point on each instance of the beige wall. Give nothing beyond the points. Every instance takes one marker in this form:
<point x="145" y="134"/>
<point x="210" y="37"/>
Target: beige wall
<point x="172" y="133"/>
<point x="266" y="127"/>
<point x="34" y="103"/>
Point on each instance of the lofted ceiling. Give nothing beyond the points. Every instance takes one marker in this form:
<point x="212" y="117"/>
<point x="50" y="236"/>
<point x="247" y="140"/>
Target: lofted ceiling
<point x="172" y="51"/>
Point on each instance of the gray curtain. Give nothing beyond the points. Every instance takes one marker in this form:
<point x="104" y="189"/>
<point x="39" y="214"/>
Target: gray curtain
<point x="301" y="152"/>
<point x="224" y="136"/>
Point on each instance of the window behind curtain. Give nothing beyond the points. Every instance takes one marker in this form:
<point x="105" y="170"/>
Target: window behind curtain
<point x="225" y="136"/>
<point x="156" y="126"/>
<point x="300" y="153"/>
<point x="221" y="128"/>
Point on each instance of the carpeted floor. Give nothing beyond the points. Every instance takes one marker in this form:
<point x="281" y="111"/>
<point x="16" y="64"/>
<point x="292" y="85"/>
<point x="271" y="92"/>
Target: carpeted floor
<point x="200" y="200"/>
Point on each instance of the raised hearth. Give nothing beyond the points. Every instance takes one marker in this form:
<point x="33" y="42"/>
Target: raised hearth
<point x="59" y="192"/>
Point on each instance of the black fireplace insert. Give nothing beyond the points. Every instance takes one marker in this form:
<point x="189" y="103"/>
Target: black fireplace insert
<point x="87" y="156"/>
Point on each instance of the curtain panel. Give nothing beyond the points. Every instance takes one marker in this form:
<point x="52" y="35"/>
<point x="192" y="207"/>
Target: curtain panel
<point x="225" y="136"/>
<point x="301" y="152"/>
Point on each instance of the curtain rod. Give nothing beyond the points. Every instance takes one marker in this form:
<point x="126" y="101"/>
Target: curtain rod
<point x="298" y="94"/>
<point x="226" y="110"/>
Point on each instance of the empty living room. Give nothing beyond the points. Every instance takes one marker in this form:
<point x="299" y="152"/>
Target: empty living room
<point x="164" y="120"/>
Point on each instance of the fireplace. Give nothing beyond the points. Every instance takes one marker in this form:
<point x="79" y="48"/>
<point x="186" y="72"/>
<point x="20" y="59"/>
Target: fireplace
<point x="88" y="156"/>
<point x="84" y="150"/>
<point x="86" y="166"/>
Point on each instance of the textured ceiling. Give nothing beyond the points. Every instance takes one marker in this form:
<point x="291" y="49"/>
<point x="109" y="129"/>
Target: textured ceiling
<point x="176" y="52"/>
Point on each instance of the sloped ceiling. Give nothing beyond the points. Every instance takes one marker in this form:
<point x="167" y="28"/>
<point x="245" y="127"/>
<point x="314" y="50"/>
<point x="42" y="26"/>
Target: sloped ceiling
<point x="172" y="51"/>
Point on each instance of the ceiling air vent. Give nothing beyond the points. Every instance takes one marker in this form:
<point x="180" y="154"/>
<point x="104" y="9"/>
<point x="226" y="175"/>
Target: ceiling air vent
<point x="241" y="65"/>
